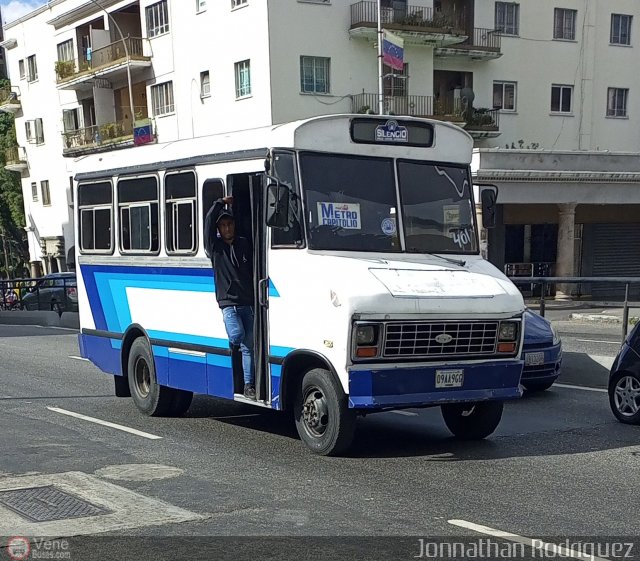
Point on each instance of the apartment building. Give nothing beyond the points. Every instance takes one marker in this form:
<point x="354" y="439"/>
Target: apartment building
<point x="545" y="87"/>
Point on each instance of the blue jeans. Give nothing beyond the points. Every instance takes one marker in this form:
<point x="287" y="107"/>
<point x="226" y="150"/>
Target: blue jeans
<point x="238" y="321"/>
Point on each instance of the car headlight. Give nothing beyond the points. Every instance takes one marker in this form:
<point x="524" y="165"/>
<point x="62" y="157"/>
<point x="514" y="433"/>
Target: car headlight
<point x="508" y="331"/>
<point x="366" y="335"/>
<point x="556" y="337"/>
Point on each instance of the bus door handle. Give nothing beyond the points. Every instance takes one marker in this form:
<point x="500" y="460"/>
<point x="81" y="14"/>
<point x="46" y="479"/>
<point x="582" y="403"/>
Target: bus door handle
<point x="263" y="293"/>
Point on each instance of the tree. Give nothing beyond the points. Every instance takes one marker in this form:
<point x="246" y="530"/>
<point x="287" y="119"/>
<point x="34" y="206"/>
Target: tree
<point x="14" y="251"/>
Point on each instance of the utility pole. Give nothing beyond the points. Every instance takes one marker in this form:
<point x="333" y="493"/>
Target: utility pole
<point x="380" y="56"/>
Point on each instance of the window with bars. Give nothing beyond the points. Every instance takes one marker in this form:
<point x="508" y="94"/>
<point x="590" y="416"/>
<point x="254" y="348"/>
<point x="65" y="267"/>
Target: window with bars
<point x="201" y="5"/>
<point x="157" y="16"/>
<point x="396" y="84"/>
<point x="65" y="50"/>
<point x="205" y="84"/>
<point x="46" y="194"/>
<point x="315" y="74"/>
<point x="162" y="99"/>
<point x="507" y="18"/>
<point x="238" y="3"/>
<point x="620" y="29"/>
<point x="561" y="98"/>
<point x="243" y="78"/>
<point x="564" y="24"/>
<point x="504" y="95"/>
<point x="21" y="69"/>
<point x="32" y="68"/>
<point x="34" y="192"/>
<point x="617" y="102"/>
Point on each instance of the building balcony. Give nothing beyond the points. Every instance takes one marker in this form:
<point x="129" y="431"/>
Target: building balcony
<point x="482" y="44"/>
<point x="409" y="105"/>
<point x="16" y="159"/>
<point x="102" y="138"/>
<point x="106" y="62"/>
<point x="9" y="102"/>
<point x="484" y="123"/>
<point x="417" y="25"/>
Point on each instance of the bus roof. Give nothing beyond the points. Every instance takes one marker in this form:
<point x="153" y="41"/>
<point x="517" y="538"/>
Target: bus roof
<point x="330" y="133"/>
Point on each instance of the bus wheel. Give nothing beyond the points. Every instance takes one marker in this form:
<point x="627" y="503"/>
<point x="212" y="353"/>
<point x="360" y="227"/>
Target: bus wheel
<point x="323" y="418"/>
<point x="149" y="396"/>
<point x="472" y="421"/>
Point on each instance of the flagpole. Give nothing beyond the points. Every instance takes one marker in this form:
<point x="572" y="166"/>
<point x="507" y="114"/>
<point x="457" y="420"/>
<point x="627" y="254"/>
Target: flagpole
<point x="380" y="68"/>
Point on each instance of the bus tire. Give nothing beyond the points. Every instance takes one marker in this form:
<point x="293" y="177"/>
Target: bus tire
<point x="322" y="415"/>
<point x="149" y="397"/>
<point x="472" y="421"/>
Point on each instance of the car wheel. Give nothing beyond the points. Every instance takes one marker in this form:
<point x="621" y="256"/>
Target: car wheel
<point x="322" y="415"/>
<point x="537" y="386"/>
<point x="624" y="397"/>
<point x="472" y="421"/>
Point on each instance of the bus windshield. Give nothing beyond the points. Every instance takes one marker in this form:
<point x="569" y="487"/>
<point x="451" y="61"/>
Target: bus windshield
<point x="352" y="205"/>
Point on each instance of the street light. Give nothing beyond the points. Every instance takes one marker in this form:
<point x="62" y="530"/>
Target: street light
<point x="126" y="53"/>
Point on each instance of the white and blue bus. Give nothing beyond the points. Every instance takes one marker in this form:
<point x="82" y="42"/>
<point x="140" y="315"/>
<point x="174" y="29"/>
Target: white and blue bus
<point x="371" y="293"/>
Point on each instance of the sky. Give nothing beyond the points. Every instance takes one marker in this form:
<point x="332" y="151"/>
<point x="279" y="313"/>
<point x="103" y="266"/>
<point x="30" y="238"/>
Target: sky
<point x="13" y="9"/>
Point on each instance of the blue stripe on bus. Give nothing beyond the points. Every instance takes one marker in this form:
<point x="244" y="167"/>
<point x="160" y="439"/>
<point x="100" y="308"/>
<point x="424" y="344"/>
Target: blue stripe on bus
<point x="106" y="289"/>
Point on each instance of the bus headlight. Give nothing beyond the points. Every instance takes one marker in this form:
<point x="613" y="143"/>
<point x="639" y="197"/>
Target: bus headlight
<point x="366" y="335"/>
<point x="508" y="331"/>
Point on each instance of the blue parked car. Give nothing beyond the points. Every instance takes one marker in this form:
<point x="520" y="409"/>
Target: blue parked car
<point x="624" y="380"/>
<point x="542" y="353"/>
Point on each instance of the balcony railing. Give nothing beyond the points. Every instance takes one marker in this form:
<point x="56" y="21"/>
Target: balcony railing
<point x="411" y="105"/>
<point x="487" y="39"/>
<point x="9" y="101"/>
<point x="97" y="136"/>
<point x="484" y="120"/>
<point x="411" y="17"/>
<point x="100" y="58"/>
<point x="15" y="158"/>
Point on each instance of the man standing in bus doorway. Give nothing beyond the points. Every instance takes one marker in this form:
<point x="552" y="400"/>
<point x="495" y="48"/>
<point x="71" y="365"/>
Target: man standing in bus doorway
<point x="232" y="263"/>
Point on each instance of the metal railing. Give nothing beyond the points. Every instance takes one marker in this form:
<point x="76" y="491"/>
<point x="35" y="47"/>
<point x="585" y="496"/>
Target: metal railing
<point x="484" y="119"/>
<point x="546" y="281"/>
<point x="413" y="105"/>
<point x="366" y="12"/>
<point x="57" y="294"/>
<point x="15" y="155"/>
<point x="489" y="39"/>
<point x="97" y="135"/>
<point x="109" y="54"/>
<point x="7" y="95"/>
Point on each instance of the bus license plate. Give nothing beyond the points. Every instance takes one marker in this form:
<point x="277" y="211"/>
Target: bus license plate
<point x="449" y="378"/>
<point x="534" y="359"/>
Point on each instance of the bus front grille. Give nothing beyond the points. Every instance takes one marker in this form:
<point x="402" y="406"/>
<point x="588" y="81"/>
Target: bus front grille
<point x="431" y="340"/>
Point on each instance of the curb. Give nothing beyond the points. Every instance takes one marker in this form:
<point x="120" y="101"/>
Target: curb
<point x="597" y="318"/>
<point x="70" y="320"/>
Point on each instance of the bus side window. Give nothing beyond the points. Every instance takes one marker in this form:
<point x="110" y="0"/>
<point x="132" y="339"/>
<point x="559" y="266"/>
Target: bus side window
<point x="180" y="213"/>
<point x="138" y="202"/>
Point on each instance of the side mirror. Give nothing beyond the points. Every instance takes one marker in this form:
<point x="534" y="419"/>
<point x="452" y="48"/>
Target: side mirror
<point x="489" y="197"/>
<point x="277" y="204"/>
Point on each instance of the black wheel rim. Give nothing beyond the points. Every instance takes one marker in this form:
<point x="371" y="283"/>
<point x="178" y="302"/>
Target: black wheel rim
<point x="142" y="377"/>
<point x="315" y="412"/>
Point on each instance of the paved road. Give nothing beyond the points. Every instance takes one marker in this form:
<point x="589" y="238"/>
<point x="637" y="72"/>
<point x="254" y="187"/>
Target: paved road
<point x="558" y="466"/>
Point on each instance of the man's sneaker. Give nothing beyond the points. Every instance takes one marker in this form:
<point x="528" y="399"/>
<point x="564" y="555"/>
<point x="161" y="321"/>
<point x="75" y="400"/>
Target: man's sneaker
<point x="249" y="391"/>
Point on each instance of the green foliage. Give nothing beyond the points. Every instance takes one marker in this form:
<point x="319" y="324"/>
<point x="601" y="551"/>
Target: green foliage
<point x="65" y="68"/>
<point x="12" y="220"/>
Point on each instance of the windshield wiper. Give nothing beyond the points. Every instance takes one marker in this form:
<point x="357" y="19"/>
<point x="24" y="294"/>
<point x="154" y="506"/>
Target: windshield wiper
<point x="459" y="262"/>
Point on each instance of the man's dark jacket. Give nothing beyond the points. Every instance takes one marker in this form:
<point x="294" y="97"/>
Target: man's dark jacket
<point x="232" y="264"/>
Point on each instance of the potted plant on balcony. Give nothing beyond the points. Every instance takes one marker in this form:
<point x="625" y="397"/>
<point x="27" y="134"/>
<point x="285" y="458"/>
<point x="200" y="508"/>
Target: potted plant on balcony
<point x="64" y="69"/>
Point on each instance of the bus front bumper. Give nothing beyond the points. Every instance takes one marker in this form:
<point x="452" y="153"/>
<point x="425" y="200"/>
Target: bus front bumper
<point x="407" y="386"/>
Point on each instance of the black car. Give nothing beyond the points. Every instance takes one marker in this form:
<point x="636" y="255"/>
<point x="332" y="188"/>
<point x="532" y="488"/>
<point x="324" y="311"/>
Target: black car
<point x="56" y="292"/>
<point x="624" y="380"/>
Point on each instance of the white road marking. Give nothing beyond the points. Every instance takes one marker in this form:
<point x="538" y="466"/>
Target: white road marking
<point x="405" y="413"/>
<point x="79" y="358"/>
<point x="105" y="423"/>
<point x="545" y="548"/>
<point x="617" y="343"/>
<point x="585" y="388"/>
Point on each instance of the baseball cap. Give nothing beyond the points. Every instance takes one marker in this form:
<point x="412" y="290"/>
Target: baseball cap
<point x="225" y="213"/>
